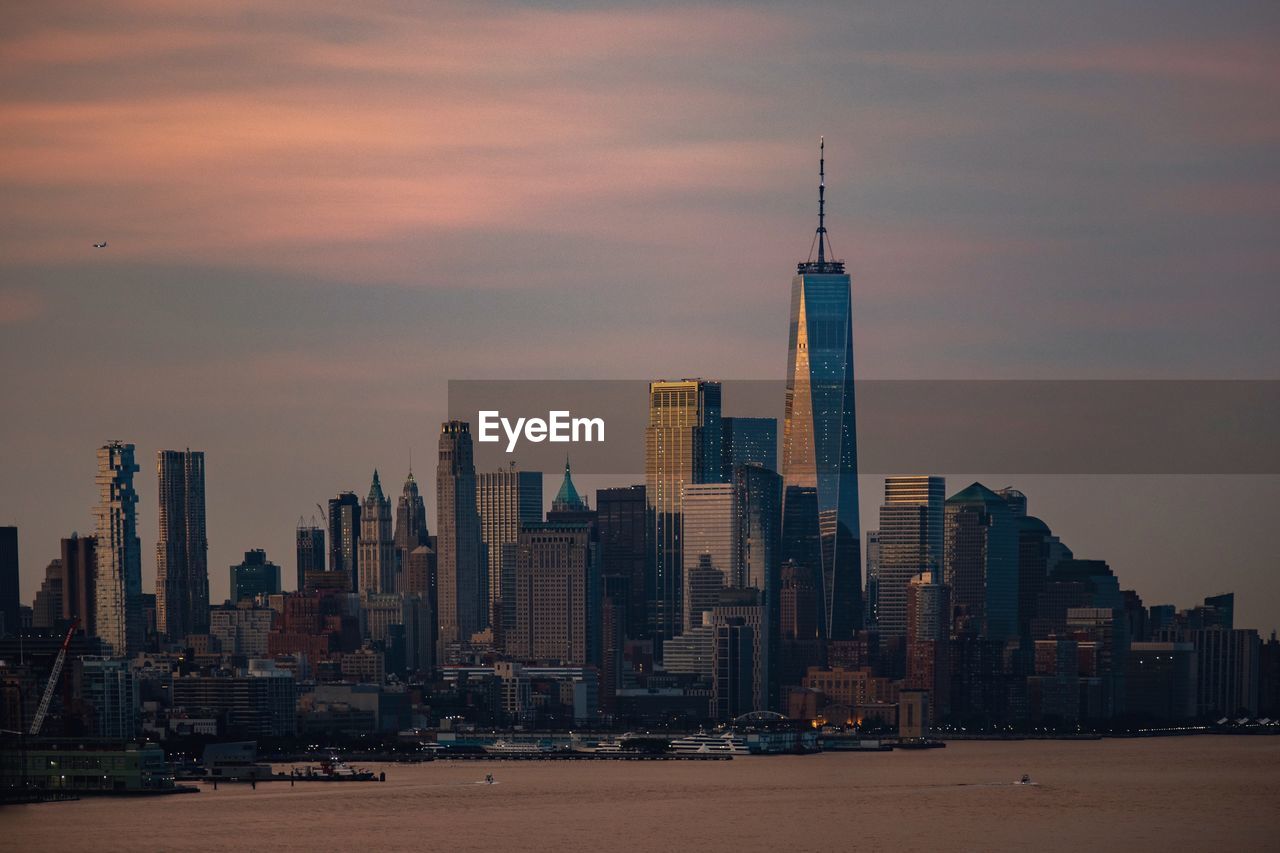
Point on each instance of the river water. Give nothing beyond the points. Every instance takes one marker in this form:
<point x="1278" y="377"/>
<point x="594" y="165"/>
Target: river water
<point x="1168" y="794"/>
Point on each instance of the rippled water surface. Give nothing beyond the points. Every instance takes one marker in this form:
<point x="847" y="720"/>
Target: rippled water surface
<point x="1175" y="794"/>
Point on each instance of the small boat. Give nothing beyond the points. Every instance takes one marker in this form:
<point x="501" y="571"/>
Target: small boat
<point x="1025" y="780"/>
<point x="488" y="778"/>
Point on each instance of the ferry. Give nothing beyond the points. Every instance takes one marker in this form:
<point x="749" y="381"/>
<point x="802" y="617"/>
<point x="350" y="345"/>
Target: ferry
<point x="505" y="747"/>
<point x="333" y="770"/>
<point x="703" y="744"/>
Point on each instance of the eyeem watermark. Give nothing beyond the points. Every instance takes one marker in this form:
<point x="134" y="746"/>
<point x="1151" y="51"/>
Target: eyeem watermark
<point x="559" y="427"/>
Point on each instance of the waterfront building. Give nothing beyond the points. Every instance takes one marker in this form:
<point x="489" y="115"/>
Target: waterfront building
<point x="1160" y="681"/>
<point x="734" y="665"/>
<point x="310" y="551"/>
<point x="344" y="537"/>
<point x="1227" y="670"/>
<point x="928" y="639"/>
<point x="377" y="549"/>
<point x="460" y="558"/>
<point x="910" y="542"/>
<point x="506" y="499"/>
<point x="255" y="576"/>
<point x="108" y="687"/>
<point x="683" y="446"/>
<point x="182" y="550"/>
<point x="95" y="767"/>
<point x="980" y="560"/>
<point x="118" y="617"/>
<point x="749" y="441"/>
<point x="821" y="532"/>
<point x="260" y="702"/>
<point x="9" y="595"/>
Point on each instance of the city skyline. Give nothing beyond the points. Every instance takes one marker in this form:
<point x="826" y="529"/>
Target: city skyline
<point x="1007" y="212"/>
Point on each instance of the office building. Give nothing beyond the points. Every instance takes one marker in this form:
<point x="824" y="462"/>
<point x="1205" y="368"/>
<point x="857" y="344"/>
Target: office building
<point x="871" y="598"/>
<point x="711" y="535"/>
<point x="377" y="549"/>
<point x="981" y="563"/>
<point x="749" y="441"/>
<point x="910" y="542"/>
<point x="682" y="447"/>
<point x="242" y="628"/>
<point x="344" y="537"/>
<point x="254" y="577"/>
<point x="1160" y="681"/>
<point x="79" y="570"/>
<point x="506" y="499"/>
<point x="118" y="618"/>
<point x="555" y="582"/>
<point x="310" y="551"/>
<point x="821" y="531"/>
<point x="182" y="551"/>
<point x="460" y="556"/>
<point x="928" y="637"/>
<point x="9" y="595"/>
<point x="411" y="525"/>
<point x="110" y="691"/>
<point x="622" y="519"/>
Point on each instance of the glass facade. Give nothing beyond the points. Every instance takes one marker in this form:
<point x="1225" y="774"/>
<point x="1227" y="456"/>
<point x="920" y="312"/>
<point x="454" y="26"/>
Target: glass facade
<point x="819" y="447"/>
<point x="682" y="446"/>
<point x="118" y="579"/>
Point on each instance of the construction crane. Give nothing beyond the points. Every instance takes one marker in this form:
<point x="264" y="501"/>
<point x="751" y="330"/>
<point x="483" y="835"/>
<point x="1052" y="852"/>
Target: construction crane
<point x="38" y="720"/>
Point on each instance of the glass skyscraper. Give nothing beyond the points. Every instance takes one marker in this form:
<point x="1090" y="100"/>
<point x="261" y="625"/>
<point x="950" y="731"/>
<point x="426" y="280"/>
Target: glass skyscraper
<point x="182" y="551"/>
<point x="819" y="446"/>
<point x="682" y="447"/>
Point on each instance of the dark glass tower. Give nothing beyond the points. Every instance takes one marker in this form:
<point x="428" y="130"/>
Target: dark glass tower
<point x="819" y="447"/>
<point x="182" y="551"/>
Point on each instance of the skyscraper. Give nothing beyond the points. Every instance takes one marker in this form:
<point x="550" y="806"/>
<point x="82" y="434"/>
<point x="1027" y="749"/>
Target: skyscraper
<point x="981" y="563"/>
<point x="624" y="555"/>
<point x="819" y="444"/>
<point x="682" y="447"/>
<point x="711" y="534"/>
<point x="871" y="600"/>
<point x="505" y="499"/>
<point x="911" y="522"/>
<point x="118" y="581"/>
<point x="79" y="571"/>
<point x="377" y="549"/>
<point x="9" y="595"/>
<point x="459" y="548"/>
<point x="310" y="550"/>
<point x="182" y="551"/>
<point x="255" y="576"/>
<point x="748" y="440"/>
<point x="344" y="536"/>
<point x="553" y="586"/>
<point x="411" y="524"/>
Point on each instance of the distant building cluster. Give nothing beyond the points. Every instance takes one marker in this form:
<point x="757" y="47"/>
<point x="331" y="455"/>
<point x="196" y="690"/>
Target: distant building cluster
<point x="730" y="582"/>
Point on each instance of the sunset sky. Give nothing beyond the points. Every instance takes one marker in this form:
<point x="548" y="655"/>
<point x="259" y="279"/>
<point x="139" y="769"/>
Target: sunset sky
<point x="318" y="213"/>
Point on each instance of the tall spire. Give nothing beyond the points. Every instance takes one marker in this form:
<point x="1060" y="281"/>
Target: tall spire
<point x="822" y="201"/>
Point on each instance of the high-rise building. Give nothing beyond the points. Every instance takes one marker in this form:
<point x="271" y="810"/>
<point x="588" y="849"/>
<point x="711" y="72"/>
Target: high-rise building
<point x="819" y="446"/>
<point x="506" y="499"/>
<point x="749" y="440"/>
<point x="711" y="531"/>
<point x="624" y="555"/>
<point x="255" y="576"/>
<point x="910" y="542"/>
<point x="344" y="536"/>
<point x="459" y="549"/>
<point x="46" y="609"/>
<point x="182" y="551"/>
<point x="871" y="599"/>
<point x="377" y="549"/>
<point x="79" y="572"/>
<point x="118" y="580"/>
<point x="310" y="550"/>
<point x="567" y="499"/>
<point x="9" y="595"/>
<point x="554" y="566"/>
<point x="981" y="563"/>
<point x="682" y="447"/>
<point x="411" y="525"/>
<point x="928" y="636"/>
